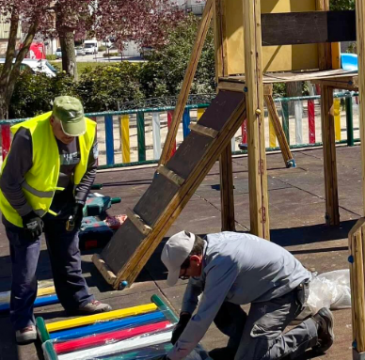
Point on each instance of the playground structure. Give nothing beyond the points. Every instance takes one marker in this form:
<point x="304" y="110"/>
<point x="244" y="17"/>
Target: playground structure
<point x="278" y="44"/>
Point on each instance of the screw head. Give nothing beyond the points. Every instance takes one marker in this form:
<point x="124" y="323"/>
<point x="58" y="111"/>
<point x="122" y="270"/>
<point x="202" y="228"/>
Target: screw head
<point x="258" y="112"/>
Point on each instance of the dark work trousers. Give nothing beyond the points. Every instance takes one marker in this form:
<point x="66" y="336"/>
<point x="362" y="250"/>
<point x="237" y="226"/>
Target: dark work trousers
<point x="63" y="249"/>
<point x="260" y="335"/>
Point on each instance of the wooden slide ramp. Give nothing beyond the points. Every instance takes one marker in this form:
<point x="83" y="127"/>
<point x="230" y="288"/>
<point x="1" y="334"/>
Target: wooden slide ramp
<point x="128" y="251"/>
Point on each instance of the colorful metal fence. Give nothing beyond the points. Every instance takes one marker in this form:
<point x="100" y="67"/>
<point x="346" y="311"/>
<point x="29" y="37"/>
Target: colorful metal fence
<point x="135" y="137"/>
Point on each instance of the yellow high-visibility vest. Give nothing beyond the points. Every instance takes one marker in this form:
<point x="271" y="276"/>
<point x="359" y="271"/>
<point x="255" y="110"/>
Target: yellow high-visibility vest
<point x="41" y="180"/>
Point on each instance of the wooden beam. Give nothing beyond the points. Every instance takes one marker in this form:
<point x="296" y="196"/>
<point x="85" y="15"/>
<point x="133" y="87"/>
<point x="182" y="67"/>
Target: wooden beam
<point x="356" y="260"/>
<point x="313" y="27"/>
<point x="350" y="83"/>
<point x="324" y="49"/>
<point x="104" y="269"/>
<point x="170" y="175"/>
<point x="188" y="79"/>
<point x="225" y="160"/>
<point x="279" y="132"/>
<point x="204" y="130"/>
<point x="360" y="23"/>
<point x="142" y="227"/>
<point x="329" y="157"/>
<point x="258" y="192"/>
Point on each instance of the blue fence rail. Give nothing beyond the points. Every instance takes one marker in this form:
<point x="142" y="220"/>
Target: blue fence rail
<point x="135" y="137"/>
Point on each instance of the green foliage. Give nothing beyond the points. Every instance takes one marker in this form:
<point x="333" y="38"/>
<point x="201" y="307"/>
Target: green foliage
<point x="101" y="88"/>
<point x="101" y="48"/>
<point x="34" y="93"/>
<point x="164" y="72"/>
<point x="51" y="57"/>
<point x="342" y="4"/>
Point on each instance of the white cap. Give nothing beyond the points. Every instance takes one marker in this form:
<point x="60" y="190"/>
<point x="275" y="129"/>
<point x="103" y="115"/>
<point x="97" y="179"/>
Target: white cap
<point x="175" y="252"/>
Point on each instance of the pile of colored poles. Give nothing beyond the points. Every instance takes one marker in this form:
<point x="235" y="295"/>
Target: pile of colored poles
<point x="46" y="295"/>
<point x="140" y="332"/>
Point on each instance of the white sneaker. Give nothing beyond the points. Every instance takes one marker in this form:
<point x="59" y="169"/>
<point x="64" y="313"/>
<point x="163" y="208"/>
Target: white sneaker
<point x="26" y="335"/>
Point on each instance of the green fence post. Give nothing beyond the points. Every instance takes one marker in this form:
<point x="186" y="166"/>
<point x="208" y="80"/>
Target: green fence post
<point x="349" y="121"/>
<point x="285" y="115"/>
<point x="141" y="137"/>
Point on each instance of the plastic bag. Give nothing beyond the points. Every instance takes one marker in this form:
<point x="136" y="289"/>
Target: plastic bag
<point x="331" y="290"/>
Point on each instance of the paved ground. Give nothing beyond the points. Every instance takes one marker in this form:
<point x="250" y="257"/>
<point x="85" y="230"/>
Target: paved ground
<point x="296" y="214"/>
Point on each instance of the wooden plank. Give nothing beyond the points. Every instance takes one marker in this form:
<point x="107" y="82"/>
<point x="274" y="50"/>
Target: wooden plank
<point x="104" y="269"/>
<point x="225" y="160"/>
<point x="329" y="157"/>
<point x="240" y="86"/>
<point x="170" y="175"/>
<point x="227" y="197"/>
<point x="230" y="106"/>
<point x="118" y="250"/>
<point x="203" y="130"/>
<point x="188" y="79"/>
<point x="356" y="241"/>
<point x="360" y="23"/>
<point x="294" y="28"/>
<point x="294" y="76"/>
<point x="138" y="222"/>
<point x="279" y="132"/>
<point x="258" y="192"/>
<point x="350" y="83"/>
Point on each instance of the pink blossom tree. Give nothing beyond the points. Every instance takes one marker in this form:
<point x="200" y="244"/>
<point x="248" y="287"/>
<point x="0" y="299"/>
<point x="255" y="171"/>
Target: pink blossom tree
<point x="145" y="21"/>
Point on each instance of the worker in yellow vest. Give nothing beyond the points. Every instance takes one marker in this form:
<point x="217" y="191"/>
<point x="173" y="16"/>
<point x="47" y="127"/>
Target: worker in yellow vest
<point x="44" y="183"/>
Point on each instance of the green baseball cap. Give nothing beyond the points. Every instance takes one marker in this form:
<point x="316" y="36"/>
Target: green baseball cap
<point x="70" y="112"/>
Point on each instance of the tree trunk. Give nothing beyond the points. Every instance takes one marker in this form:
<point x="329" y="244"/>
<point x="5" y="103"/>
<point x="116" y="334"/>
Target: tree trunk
<point x="10" y="71"/>
<point x="68" y="54"/>
<point x="293" y="89"/>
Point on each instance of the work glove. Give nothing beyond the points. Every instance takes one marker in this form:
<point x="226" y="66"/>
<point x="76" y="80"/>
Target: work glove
<point x="33" y="225"/>
<point x="74" y="220"/>
<point x="180" y="327"/>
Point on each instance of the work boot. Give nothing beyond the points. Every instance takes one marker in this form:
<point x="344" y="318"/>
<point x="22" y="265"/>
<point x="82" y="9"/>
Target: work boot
<point x="225" y="353"/>
<point x="26" y="335"/>
<point x="324" y="323"/>
<point x="94" y="307"/>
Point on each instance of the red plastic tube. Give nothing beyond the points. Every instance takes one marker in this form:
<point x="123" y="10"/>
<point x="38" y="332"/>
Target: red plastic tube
<point x="101" y="339"/>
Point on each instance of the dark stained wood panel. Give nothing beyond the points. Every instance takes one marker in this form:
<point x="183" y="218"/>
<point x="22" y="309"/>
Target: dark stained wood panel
<point x="155" y="199"/>
<point x="122" y="246"/>
<point x="216" y="116"/>
<point x="308" y="27"/>
<point x="182" y="163"/>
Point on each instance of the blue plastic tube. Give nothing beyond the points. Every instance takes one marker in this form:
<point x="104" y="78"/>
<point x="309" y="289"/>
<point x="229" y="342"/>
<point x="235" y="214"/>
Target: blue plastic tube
<point x="107" y="326"/>
<point x="41" y="301"/>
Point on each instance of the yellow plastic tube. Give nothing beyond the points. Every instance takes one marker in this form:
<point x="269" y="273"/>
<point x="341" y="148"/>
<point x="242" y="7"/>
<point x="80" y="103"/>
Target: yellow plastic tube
<point x="91" y="319"/>
<point x="46" y="291"/>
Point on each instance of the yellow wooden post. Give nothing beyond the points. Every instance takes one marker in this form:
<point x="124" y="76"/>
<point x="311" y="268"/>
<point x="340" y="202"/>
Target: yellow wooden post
<point x="272" y="135"/>
<point x="258" y="192"/>
<point x="124" y="139"/>
<point x="360" y="24"/>
<point x="337" y="114"/>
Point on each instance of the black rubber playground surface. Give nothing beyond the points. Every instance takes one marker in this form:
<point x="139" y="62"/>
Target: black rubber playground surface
<point x="297" y="222"/>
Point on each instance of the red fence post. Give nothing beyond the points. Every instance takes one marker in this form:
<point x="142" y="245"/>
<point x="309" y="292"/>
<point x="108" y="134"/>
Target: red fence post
<point x="5" y="137"/>
<point x="244" y="132"/>
<point x="311" y="122"/>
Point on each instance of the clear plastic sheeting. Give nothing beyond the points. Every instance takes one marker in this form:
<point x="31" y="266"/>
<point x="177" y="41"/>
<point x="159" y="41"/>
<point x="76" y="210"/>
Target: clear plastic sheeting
<point x="112" y="349"/>
<point x="331" y="290"/>
<point x="151" y="352"/>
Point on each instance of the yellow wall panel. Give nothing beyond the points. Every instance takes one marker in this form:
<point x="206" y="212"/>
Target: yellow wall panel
<point x="275" y="58"/>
